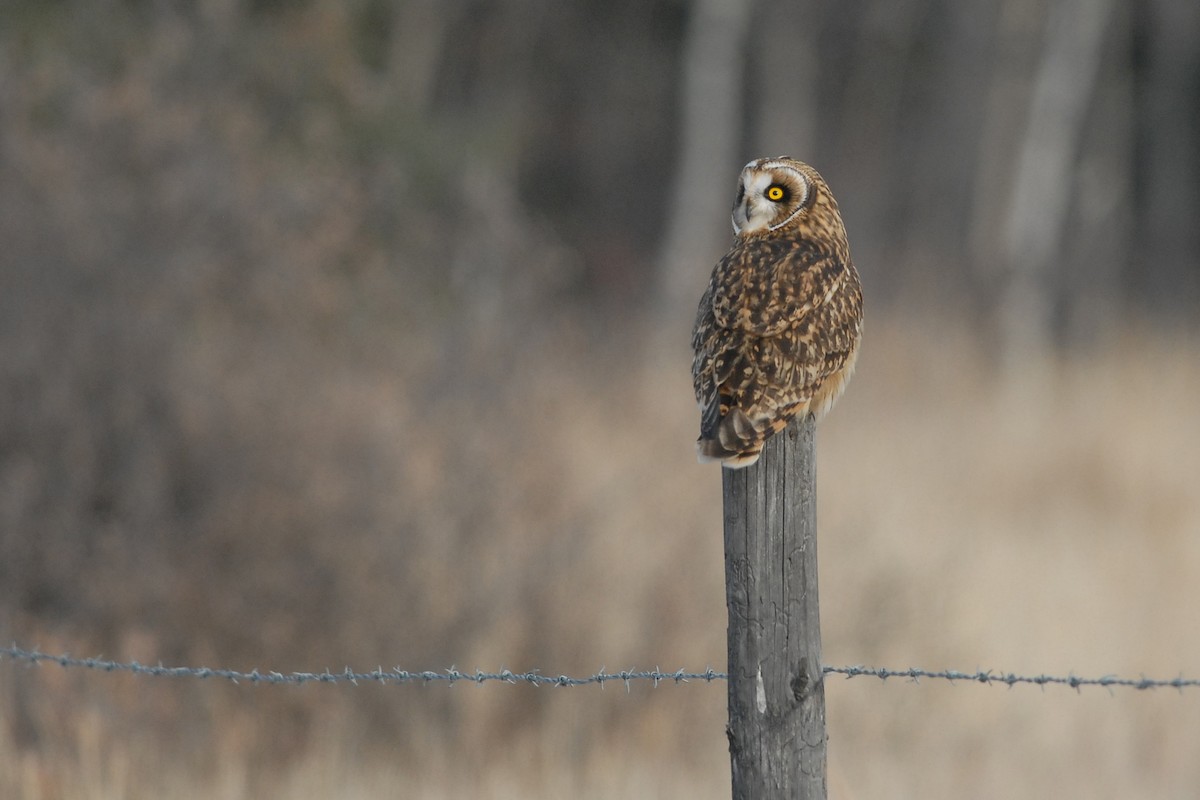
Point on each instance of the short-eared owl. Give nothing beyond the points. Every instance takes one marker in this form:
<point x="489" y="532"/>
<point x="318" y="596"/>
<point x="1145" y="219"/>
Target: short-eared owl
<point x="778" y="328"/>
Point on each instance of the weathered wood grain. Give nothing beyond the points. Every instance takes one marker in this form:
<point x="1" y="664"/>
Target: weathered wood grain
<point x="777" y="739"/>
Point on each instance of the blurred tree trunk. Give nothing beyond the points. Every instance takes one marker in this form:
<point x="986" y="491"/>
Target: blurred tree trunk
<point x="417" y="45"/>
<point x="784" y="80"/>
<point x="931" y="166"/>
<point x="864" y="131"/>
<point x="1036" y="219"/>
<point x="1168" y="117"/>
<point x="1100" y="236"/>
<point x="1018" y="31"/>
<point x="714" y="60"/>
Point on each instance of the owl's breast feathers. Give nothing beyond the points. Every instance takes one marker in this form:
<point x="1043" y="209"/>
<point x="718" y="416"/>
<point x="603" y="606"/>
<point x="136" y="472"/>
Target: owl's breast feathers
<point x="776" y="335"/>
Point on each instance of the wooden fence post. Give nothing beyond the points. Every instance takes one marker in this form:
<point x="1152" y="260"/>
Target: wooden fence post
<point x="776" y="688"/>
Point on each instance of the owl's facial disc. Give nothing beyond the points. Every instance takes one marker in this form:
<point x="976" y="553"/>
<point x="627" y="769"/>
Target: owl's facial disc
<point x="770" y="194"/>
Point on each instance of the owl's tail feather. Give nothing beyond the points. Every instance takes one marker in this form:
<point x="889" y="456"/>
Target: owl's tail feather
<point x="737" y="442"/>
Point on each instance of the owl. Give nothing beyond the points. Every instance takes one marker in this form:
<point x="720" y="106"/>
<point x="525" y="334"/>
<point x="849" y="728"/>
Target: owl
<point x="779" y="325"/>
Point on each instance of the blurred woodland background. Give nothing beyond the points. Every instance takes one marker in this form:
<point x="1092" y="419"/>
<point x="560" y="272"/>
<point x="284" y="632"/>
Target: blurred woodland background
<point x="355" y="332"/>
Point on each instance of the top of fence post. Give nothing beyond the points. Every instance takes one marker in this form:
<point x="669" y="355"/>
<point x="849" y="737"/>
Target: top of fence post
<point x="777" y="739"/>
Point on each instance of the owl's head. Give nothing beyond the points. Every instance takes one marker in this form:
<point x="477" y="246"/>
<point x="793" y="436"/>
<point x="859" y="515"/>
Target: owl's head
<point x="777" y="194"/>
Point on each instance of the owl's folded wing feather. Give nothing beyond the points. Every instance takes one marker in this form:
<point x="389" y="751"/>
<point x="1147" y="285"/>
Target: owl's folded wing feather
<point x="771" y="328"/>
<point x="765" y="285"/>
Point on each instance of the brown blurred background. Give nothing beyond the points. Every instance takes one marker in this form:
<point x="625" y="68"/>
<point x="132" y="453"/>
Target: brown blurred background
<point x="356" y="333"/>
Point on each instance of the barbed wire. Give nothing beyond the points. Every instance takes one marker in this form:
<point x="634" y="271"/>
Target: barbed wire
<point x="1009" y="679"/>
<point x="347" y="675"/>
<point x="536" y="678"/>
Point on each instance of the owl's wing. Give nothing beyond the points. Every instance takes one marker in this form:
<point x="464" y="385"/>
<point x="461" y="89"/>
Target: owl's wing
<point x="778" y="319"/>
<point x="765" y="285"/>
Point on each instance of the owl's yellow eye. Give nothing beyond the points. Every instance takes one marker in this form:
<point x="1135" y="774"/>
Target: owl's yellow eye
<point x="775" y="192"/>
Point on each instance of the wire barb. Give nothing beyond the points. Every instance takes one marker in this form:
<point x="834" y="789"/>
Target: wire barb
<point x="656" y="677"/>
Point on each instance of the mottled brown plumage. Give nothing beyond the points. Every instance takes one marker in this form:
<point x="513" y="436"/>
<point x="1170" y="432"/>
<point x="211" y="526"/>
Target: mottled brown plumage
<point x="778" y="328"/>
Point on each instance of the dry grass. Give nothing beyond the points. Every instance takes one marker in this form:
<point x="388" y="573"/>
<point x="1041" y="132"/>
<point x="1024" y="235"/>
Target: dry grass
<point x="1046" y="525"/>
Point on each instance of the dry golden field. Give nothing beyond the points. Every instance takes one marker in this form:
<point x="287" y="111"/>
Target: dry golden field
<point x="553" y="518"/>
